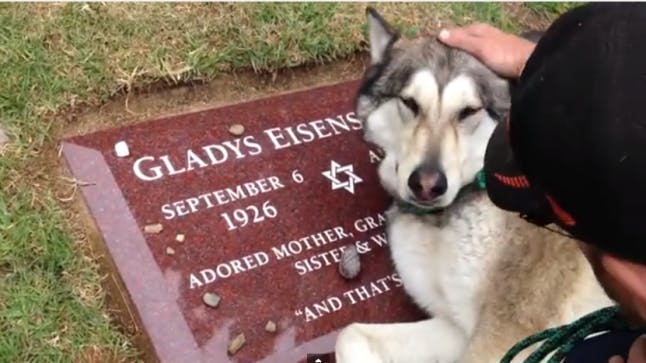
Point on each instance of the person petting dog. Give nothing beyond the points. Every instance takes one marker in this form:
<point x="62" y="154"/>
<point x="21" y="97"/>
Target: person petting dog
<point x="576" y="132"/>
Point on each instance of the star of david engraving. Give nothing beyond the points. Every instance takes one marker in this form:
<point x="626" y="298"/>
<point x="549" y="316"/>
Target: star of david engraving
<point x="348" y="170"/>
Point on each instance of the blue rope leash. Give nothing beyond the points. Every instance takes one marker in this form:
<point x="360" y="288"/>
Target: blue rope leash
<point x="480" y="180"/>
<point x="562" y="339"/>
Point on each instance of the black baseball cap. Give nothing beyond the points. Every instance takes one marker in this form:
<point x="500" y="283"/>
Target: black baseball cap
<point x="572" y="151"/>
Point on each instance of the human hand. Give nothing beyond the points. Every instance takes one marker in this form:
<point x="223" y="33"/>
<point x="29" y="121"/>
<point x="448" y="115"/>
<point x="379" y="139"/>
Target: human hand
<point x="504" y="53"/>
<point x="637" y="353"/>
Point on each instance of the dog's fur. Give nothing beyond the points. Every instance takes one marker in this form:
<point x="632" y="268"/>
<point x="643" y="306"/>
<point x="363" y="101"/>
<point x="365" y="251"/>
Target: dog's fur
<point x="486" y="277"/>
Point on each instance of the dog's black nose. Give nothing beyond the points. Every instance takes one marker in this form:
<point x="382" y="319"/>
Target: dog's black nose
<point x="427" y="183"/>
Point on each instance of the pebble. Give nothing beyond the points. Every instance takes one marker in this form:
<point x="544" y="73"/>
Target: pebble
<point x="170" y="251"/>
<point x="121" y="149"/>
<point x="153" y="228"/>
<point x="211" y="299"/>
<point x="237" y="343"/>
<point x="350" y="264"/>
<point x="236" y="129"/>
<point x="179" y="238"/>
<point x="270" y="327"/>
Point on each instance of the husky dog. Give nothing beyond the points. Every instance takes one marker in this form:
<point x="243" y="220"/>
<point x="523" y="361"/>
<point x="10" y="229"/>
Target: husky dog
<point x="486" y="277"/>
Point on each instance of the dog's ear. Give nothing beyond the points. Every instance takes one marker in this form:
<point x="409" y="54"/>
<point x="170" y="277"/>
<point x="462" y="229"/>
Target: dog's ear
<point x="497" y="98"/>
<point x="381" y="35"/>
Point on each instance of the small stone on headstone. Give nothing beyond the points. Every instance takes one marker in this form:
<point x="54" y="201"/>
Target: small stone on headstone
<point x="153" y="228"/>
<point x="270" y="327"/>
<point x="179" y="238"/>
<point x="121" y="149"/>
<point x="236" y="129"/>
<point x="170" y="251"/>
<point x="236" y="343"/>
<point x="211" y="299"/>
<point x="349" y="265"/>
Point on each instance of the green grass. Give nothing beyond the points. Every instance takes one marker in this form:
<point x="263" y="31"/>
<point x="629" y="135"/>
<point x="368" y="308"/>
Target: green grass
<point x="55" y="57"/>
<point x="549" y="8"/>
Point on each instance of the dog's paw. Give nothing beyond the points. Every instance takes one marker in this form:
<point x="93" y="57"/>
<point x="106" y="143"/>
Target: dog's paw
<point x="426" y="341"/>
<point x="354" y="346"/>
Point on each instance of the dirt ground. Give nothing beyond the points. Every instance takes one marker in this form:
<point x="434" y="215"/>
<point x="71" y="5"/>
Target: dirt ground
<point x="129" y="109"/>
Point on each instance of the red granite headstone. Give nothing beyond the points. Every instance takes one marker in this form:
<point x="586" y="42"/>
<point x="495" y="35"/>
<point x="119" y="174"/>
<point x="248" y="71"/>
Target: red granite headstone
<point x="264" y="217"/>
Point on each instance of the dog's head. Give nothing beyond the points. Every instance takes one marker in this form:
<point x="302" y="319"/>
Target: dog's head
<point x="431" y="109"/>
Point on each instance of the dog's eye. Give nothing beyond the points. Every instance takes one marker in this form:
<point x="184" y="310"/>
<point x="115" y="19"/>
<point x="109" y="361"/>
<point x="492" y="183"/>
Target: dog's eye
<point x="468" y="111"/>
<point x="411" y="104"/>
